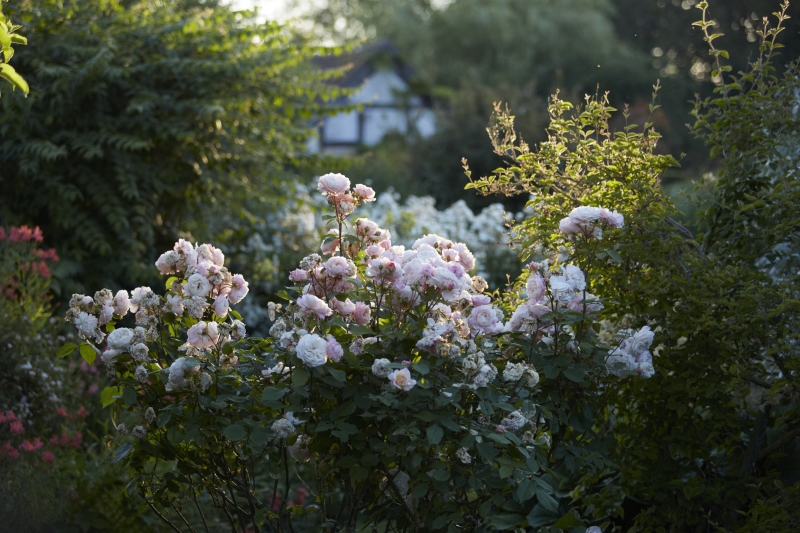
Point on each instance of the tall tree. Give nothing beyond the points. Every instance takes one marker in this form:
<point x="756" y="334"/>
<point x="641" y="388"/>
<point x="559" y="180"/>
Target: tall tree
<point x="149" y="121"/>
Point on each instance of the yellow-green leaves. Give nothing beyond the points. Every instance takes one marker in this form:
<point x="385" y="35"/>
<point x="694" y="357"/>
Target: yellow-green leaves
<point x="7" y="38"/>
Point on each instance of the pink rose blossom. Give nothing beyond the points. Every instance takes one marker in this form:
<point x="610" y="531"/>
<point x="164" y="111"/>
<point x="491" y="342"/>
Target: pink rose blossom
<point x="401" y="379"/>
<point x="203" y="335"/>
<point x="484" y="319"/>
<point x="336" y="267"/>
<point x="16" y="427"/>
<point x="298" y="275"/>
<point x="311" y="305"/>
<point x="106" y="312"/>
<point x="333" y="184"/>
<point x="612" y="218"/>
<point x="345" y="308"/>
<point x="330" y="247"/>
<point x="334" y="349"/>
<point x="367" y="194"/>
<point x="121" y="303"/>
<point x="221" y="306"/>
<point x="361" y="315"/>
<point x="239" y="289"/>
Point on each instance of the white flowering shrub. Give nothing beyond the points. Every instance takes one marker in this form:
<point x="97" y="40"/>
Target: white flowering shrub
<point x="391" y="391"/>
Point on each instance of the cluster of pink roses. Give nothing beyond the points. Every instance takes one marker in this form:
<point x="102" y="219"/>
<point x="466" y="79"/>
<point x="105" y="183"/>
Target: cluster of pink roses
<point x="344" y="201"/>
<point x="587" y="221"/>
<point x="16" y="428"/>
<point x="549" y="289"/>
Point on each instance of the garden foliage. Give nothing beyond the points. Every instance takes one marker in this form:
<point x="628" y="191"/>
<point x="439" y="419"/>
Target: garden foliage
<point x="148" y="121"/>
<point x="725" y="301"/>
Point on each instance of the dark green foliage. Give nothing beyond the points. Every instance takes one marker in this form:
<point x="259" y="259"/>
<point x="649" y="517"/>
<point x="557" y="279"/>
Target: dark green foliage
<point x="711" y="440"/>
<point x="149" y="121"/>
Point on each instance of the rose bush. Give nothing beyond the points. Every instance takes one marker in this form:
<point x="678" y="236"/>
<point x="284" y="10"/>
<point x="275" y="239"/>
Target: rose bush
<point x="392" y="389"/>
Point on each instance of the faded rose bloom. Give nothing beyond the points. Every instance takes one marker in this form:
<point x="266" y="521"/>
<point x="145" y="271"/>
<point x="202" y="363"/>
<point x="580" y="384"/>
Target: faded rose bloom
<point x="401" y="379"/>
<point x="612" y="218"/>
<point x="203" y="335"/>
<point x="333" y="184"/>
<point x="334" y="349"/>
<point x="121" y="303"/>
<point x="535" y="287"/>
<point x="167" y="261"/>
<point x="361" y="315"/>
<point x="86" y="324"/>
<point x="197" y="285"/>
<point x="311" y="305"/>
<point x="345" y="308"/>
<point x="221" y="306"/>
<point x="367" y="194"/>
<point x="239" y="289"/>
<point x="514" y="421"/>
<point x="312" y="350"/>
<point x="463" y="456"/>
<point x="381" y="368"/>
<point x="336" y="267"/>
<point x="298" y="275"/>
<point x="283" y="428"/>
<point x="330" y="246"/>
<point x="174" y="304"/>
<point x="120" y="339"/>
<point x="106" y="312"/>
<point x="484" y="320"/>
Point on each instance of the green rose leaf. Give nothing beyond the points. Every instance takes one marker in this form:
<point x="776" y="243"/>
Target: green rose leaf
<point x="434" y="433"/>
<point x="235" y="432"/>
<point x="88" y="353"/>
<point x="67" y="349"/>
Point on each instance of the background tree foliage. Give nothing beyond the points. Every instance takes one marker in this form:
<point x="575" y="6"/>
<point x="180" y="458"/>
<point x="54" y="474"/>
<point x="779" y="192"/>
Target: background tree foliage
<point x="148" y="121"/>
<point x="710" y="441"/>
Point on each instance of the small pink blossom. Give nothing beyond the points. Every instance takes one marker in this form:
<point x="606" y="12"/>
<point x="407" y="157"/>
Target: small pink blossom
<point x="298" y="275"/>
<point x="334" y="349"/>
<point x="345" y="308"/>
<point x="239" y="289"/>
<point x="367" y="194"/>
<point x="47" y="457"/>
<point x="203" y="335"/>
<point x="16" y="427"/>
<point x="336" y="267"/>
<point x="221" y="306"/>
<point x="401" y="379"/>
<point x="330" y="247"/>
<point x="311" y="305"/>
<point x="361" y="315"/>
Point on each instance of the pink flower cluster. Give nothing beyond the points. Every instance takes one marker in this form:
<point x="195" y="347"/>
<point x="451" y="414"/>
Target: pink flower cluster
<point x="589" y="221"/>
<point x="21" y="234"/>
<point x="344" y="201"/>
<point x="548" y="290"/>
<point x="32" y="445"/>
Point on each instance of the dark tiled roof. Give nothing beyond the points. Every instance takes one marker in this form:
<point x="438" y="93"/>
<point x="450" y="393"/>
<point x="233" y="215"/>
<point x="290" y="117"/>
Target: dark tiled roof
<point x="363" y="61"/>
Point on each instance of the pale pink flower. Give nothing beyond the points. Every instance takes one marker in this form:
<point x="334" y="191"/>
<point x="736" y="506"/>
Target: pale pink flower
<point x="484" y="319"/>
<point x="480" y="299"/>
<point x="197" y="285"/>
<point x="465" y="257"/>
<point x="336" y="267"/>
<point x="239" y="289"/>
<point x="333" y="184"/>
<point x="535" y="287"/>
<point x="175" y="304"/>
<point x="612" y="218"/>
<point x="345" y="308"/>
<point x="183" y="246"/>
<point x="334" y="350"/>
<point x="311" y="305"/>
<point x="312" y="350"/>
<point x="591" y="302"/>
<point x="401" y="379"/>
<point x="361" y="315"/>
<point x="330" y="247"/>
<point x="569" y="226"/>
<point x="203" y="335"/>
<point x="221" y="306"/>
<point x="367" y="194"/>
<point x="121" y="303"/>
<point x="106" y="312"/>
<point x="298" y="275"/>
